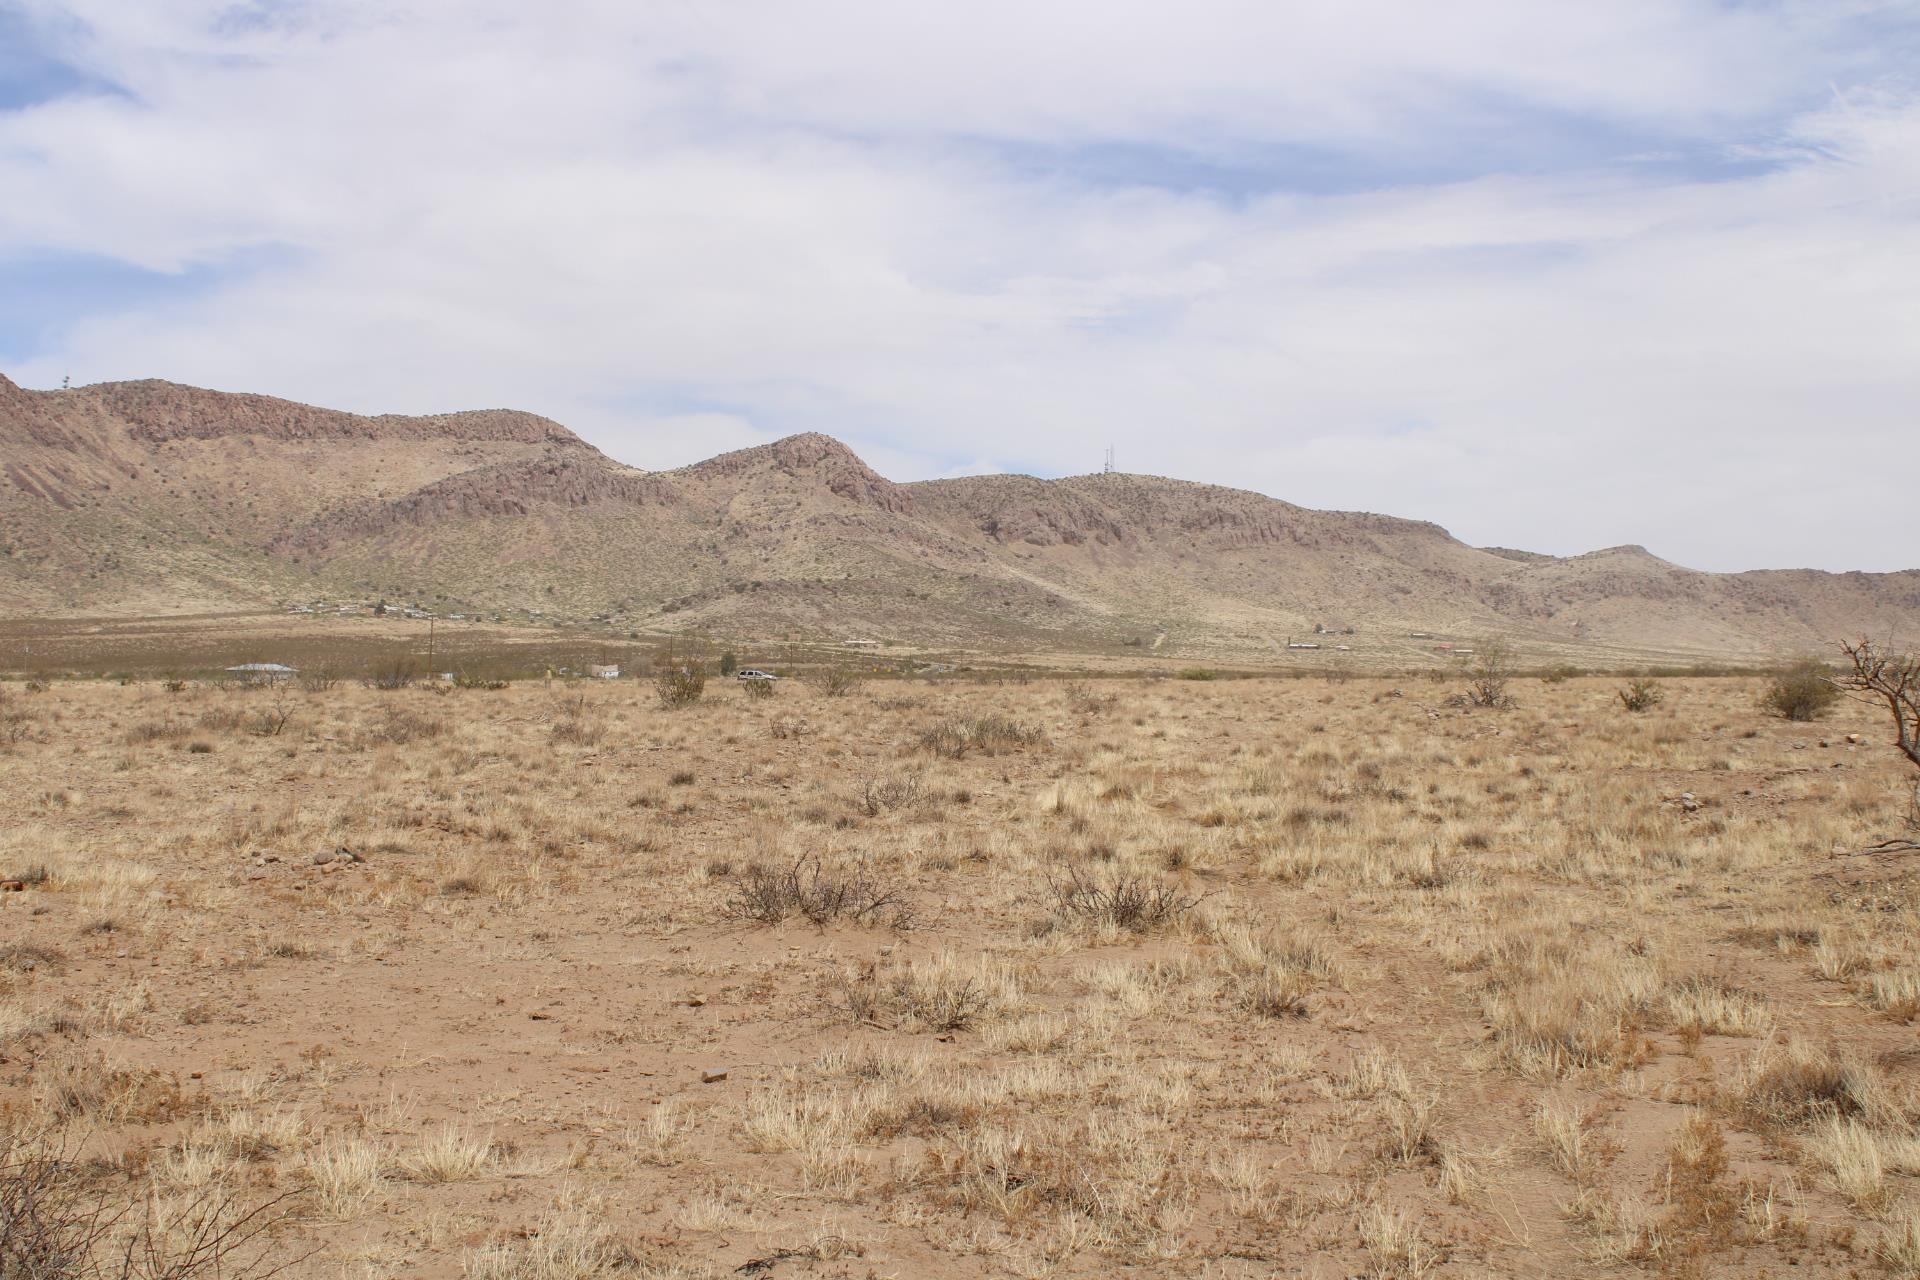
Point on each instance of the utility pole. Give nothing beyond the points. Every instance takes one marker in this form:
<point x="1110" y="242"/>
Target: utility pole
<point x="429" y="646"/>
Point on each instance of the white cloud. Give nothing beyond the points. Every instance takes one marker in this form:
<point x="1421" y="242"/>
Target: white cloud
<point x="759" y="218"/>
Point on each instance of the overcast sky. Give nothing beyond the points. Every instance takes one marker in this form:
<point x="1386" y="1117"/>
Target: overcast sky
<point x="1556" y="274"/>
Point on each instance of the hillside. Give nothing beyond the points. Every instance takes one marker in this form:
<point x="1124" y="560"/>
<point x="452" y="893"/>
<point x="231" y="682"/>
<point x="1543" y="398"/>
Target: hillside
<point x="149" y="497"/>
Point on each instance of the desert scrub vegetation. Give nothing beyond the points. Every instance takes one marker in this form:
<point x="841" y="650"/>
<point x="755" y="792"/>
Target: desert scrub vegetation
<point x="1204" y="977"/>
<point x="680" y="684"/>
<point x="1802" y="691"/>
<point x="820" y="894"/>
<point x="953" y="737"/>
<point x="1083" y="898"/>
<point x="1641" y="694"/>
<point x="63" y="1217"/>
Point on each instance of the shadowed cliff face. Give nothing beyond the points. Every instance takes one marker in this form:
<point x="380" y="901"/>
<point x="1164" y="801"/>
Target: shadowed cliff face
<point x="149" y="496"/>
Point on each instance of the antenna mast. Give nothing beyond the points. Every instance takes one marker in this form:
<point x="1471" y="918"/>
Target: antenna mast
<point x="1108" y="469"/>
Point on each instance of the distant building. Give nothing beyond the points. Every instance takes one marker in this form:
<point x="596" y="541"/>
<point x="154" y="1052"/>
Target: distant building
<point x="1301" y="644"/>
<point x="861" y="644"/>
<point x="604" y="671"/>
<point x="262" y="672"/>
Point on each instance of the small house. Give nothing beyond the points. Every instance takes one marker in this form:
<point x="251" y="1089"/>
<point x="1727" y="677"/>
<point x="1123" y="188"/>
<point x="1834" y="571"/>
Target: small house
<point x="262" y="672"/>
<point x="604" y="671"/>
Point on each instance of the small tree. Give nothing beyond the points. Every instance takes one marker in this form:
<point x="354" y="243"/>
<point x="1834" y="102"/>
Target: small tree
<point x="1802" y="691"/>
<point x="728" y="664"/>
<point x="681" y="684"/>
<point x="835" y="681"/>
<point x="1893" y="681"/>
<point x="1489" y="674"/>
<point x="1641" y="695"/>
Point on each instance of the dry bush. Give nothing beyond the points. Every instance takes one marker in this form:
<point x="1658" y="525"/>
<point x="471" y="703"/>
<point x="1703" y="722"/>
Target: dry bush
<point x="398" y="674"/>
<point x="756" y="690"/>
<point x="680" y="685"/>
<point x="890" y="791"/>
<point x="17" y="721"/>
<point x="1803" y="691"/>
<point x="577" y="731"/>
<point x="1085" y="700"/>
<point x="818" y="893"/>
<point x="400" y="726"/>
<point x="1641" y="695"/>
<point x="1892" y="681"/>
<point x="836" y="681"/>
<point x="65" y="1219"/>
<point x="1489" y="674"/>
<point x="1129" y="903"/>
<point x="318" y="679"/>
<point x="954" y="736"/>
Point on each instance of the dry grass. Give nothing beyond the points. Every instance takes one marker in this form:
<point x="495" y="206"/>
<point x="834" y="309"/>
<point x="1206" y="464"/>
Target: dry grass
<point x="1217" y="977"/>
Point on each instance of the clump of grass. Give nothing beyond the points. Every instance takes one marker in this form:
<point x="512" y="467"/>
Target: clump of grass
<point x="1716" y="1009"/>
<point x="450" y="1155"/>
<point x="570" y="1243"/>
<point x="1799" y="1084"/>
<point x="939" y="994"/>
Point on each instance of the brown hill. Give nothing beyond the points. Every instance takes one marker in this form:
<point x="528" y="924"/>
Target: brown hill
<point x="152" y="497"/>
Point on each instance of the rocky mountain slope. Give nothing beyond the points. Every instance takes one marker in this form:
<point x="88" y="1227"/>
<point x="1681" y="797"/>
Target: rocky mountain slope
<point x="152" y="497"/>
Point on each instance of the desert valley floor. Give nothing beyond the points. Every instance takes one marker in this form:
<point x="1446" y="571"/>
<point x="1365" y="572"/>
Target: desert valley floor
<point x="1172" y="978"/>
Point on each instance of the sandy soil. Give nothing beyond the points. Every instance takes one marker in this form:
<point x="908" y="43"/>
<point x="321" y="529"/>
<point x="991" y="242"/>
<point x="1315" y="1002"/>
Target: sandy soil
<point x="1146" y="978"/>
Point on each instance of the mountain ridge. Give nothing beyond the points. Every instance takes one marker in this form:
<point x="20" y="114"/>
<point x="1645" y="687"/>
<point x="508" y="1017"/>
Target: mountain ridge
<point x="154" y="496"/>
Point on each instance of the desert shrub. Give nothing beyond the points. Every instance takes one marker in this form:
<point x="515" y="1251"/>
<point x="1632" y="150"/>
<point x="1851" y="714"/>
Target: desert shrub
<point x="318" y="679"/>
<point x="890" y="791"/>
<point x="1084" y="700"/>
<point x="1801" y="691"/>
<point x="1195" y="673"/>
<point x="680" y="685"/>
<point x="728" y="664"/>
<point x="462" y="680"/>
<point x="954" y="736"/>
<point x="16" y="721"/>
<point x="1131" y="903"/>
<point x="398" y="674"/>
<point x="402" y="725"/>
<point x="819" y="893"/>
<point x="1640" y="695"/>
<point x="835" y="681"/>
<point x="1559" y="673"/>
<point x="1489" y="674"/>
<point x="756" y="689"/>
<point x="577" y="731"/>
<point x="62" y="1218"/>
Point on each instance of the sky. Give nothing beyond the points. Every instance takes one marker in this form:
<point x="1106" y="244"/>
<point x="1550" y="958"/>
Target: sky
<point x="1554" y="274"/>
